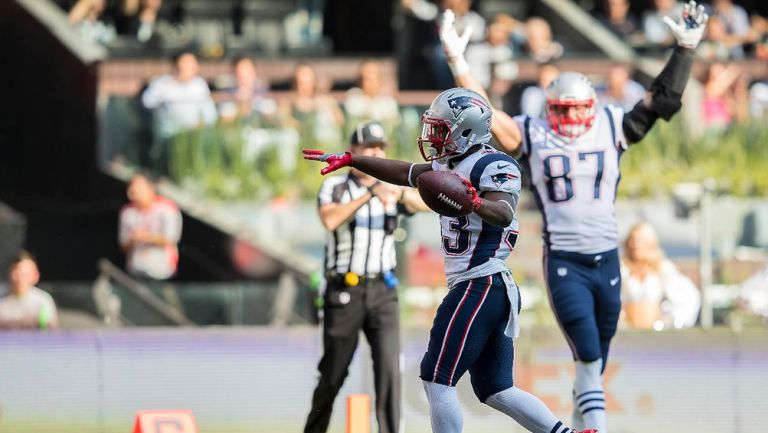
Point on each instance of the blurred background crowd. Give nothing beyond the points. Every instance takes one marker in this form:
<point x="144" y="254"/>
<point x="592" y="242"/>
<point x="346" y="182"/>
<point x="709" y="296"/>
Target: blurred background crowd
<point x="216" y="99"/>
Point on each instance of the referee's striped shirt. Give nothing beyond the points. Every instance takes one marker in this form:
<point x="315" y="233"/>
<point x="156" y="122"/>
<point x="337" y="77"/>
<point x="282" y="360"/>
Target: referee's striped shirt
<point x="364" y="244"/>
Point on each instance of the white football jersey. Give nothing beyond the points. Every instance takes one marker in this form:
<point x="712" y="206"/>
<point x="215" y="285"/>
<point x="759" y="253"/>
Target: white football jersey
<point x="469" y="243"/>
<point x="574" y="181"/>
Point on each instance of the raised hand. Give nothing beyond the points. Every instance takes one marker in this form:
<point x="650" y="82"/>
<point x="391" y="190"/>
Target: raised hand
<point x="476" y="202"/>
<point x="453" y="44"/>
<point x="334" y="160"/>
<point x="690" y="29"/>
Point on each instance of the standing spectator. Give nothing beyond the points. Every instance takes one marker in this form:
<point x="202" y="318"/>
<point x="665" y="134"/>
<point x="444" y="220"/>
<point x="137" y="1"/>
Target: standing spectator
<point x="654" y="293"/>
<point x="718" y="44"/>
<point x="149" y="232"/>
<point x="621" y="89"/>
<point x="620" y="21"/>
<point x="181" y="100"/>
<point x="477" y="320"/>
<point x="24" y="306"/>
<point x="88" y="18"/>
<point x="360" y="215"/>
<point x="654" y="29"/>
<point x="368" y="101"/>
<point x="311" y="108"/>
<point x="248" y="97"/>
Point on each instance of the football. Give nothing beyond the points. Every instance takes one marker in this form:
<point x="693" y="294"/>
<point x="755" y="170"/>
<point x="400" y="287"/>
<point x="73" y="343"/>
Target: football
<point x="444" y="193"/>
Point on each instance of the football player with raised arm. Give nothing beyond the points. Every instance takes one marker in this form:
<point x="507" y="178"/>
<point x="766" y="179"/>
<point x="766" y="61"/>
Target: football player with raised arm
<point x="572" y="158"/>
<point x="476" y="321"/>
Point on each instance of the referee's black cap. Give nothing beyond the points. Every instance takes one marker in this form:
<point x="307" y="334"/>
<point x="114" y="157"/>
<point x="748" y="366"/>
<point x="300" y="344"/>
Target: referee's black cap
<point x="368" y="134"/>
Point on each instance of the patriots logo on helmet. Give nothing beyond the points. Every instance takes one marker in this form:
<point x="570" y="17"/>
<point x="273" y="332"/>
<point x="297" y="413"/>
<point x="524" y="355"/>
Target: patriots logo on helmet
<point x="461" y="103"/>
<point x="502" y="178"/>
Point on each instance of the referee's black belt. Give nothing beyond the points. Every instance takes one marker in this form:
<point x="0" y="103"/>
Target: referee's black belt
<point x="367" y="279"/>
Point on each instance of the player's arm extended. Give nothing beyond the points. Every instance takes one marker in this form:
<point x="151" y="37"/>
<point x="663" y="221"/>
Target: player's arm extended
<point x="389" y="170"/>
<point x="664" y="98"/>
<point x="496" y="208"/>
<point x="503" y="127"/>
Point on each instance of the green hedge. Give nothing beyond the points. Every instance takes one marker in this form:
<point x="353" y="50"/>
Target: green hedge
<point x="245" y="161"/>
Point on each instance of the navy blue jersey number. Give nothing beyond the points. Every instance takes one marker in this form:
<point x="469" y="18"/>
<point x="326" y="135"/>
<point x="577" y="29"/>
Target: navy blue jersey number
<point x="457" y="241"/>
<point x="560" y="186"/>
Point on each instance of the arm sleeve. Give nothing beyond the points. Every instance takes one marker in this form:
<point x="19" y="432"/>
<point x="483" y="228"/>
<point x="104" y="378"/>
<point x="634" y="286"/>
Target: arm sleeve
<point x="637" y="122"/>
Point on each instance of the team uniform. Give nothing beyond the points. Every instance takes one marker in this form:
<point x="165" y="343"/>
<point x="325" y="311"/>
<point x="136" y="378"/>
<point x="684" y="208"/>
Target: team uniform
<point x="476" y="320"/>
<point x="574" y="184"/>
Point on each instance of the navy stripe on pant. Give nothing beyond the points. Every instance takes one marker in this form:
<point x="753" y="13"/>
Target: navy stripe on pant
<point x="468" y="335"/>
<point x="585" y="293"/>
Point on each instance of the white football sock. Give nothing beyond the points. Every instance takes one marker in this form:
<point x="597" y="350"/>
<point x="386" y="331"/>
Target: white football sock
<point x="527" y="410"/>
<point x="444" y="408"/>
<point x="590" y="399"/>
<point x="576" y="418"/>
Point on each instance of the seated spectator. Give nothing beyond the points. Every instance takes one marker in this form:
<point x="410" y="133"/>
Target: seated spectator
<point x="248" y="97"/>
<point x="24" y="306"/>
<point x="724" y="99"/>
<point x="718" y="45"/>
<point x="654" y="293"/>
<point x="759" y="37"/>
<point x="181" y="100"/>
<point x="620" y="89"/>
<point x="533" y="99"/>
<point x="735" y="20"/>
<point x="535" y="38"/>
<point x="368" y="100"/>
<point x="149" y="231"/>
<point x="753" y="294"/>
<point x="311" y="108"/>
<point x="426" y="10"/>
<point x="492" y="57"/>
<point x="86" y="16"/>
<point x="139" y="19"/>
<point x="654" y="29"/>
<point x="758" y="101"/>
<point x="620" y="21"/>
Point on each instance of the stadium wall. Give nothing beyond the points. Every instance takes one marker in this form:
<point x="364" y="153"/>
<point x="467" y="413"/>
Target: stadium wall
<point x="260" y="380"/>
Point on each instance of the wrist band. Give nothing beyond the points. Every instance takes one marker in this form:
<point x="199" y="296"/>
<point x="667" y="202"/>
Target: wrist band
<point x="410" y="170"/>
<point x="459" y="66"/>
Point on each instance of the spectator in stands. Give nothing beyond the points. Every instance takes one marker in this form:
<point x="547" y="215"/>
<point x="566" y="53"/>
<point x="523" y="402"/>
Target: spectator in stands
<point x="758" y="101"/>
<point x="725" y="96"/>
<point x="654" y="29"/>
<point x="139" y="19"/>
<point x="534" y="37"/>
<point x="735" y="20"/>
<point x="493" y="56"/>
<point x="620" y="21"/>
<point x="533" y="99"/>
<point x="465" y="18"/>
<point x="312" y="109"/>
<point x="86" y="16"/>
<point x="248" y="98"/>
<point x="149" y="231"/>
<point x="181" y="100"/>
<point x="753" y="294"/>
<point x="620" y="89"/>
<point x="759" y="37"/>
<point x="654" y="293"/>
<point x="718" y="44"/>
<point x="368" y="101"/>
<point x="24" y="306"/>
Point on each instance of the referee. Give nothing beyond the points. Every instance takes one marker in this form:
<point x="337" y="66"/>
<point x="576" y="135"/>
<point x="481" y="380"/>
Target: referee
<point x="360" y="215"/>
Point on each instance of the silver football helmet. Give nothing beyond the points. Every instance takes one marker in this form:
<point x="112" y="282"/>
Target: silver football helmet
<point x="571" y="104"/>
<point x="457" y="120"/>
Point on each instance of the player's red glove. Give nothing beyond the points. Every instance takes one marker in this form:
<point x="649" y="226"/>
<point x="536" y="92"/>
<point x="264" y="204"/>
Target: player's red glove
<point x="476" y="202"/>
<point x="335" y="160"/>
